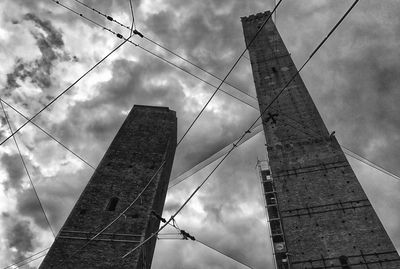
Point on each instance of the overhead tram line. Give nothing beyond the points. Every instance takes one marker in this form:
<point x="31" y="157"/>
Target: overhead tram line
<point x="112" y="19"/>
<point x="251" y="126"/>
<point x="296" y="74"/>
<point x="179" y="142"/>
<point x="347" y="151"/>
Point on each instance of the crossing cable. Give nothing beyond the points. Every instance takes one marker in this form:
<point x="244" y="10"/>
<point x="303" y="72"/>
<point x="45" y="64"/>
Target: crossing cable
<point x="133" y="17"/>
<point x="186" y="236"/>
<point x="224" y="254"/>
<point x="155" y="174"/>
<point x="48" y="134"/>
<point x="27" y="171"/>
<point x="67" y="89"/>
<point x="376" y="166"/>
<point x="25" y="259"/>
<point x="165" y="48"/>
<point x="121" y="24"/>
<point x="209" y="160"/>
<point x="251" y="126"/>
<point x="37" y="258"/>
<point x="125" y="40"/>
<point x="150" y="52"/>
<point x="251" y="105"/>
<point x="195" y="190"/>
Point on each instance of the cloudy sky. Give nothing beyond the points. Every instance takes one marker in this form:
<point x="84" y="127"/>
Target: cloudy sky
<point x="44" y="48"/>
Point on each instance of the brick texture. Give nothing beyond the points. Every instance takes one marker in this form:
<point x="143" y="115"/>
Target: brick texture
<point x="317" y="206"/>
<point x="146" y="138"/>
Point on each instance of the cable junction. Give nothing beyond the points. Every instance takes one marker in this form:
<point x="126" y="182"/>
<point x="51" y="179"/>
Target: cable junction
<point x="27" y="171"/>
<point x="234" y="145"/>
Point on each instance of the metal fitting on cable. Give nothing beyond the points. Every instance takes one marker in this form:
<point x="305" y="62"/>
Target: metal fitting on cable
<point x="158" y="216"/>
<point x="136" y="32"/>
<point x="187" y="236"/>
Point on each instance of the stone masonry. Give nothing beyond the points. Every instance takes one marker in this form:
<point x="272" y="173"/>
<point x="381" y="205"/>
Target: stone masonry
<point x="319" y="214"/>
<point x="146" y="138"/>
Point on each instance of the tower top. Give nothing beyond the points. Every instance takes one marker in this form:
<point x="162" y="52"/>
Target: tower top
<point x="258" y="16"/>
<point x="151" y="107"/>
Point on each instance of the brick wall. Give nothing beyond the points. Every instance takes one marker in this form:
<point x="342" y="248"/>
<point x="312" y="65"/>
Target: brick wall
<point x="323" y="213"/>
<point x="146" y="138"/>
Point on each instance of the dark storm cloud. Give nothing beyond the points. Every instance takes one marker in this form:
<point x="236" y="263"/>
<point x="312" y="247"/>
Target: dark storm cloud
<point x="18" y="235"/>
<point x="15" y="171"/>
<point x="210" y="34"/>
<point x="54" y="37"/>
<point x="50" y="44"/>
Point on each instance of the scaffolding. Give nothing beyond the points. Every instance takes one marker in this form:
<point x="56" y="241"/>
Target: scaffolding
<point x="277" y="237"/>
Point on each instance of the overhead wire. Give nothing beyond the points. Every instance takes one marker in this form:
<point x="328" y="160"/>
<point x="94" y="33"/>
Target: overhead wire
<point x="234" y="145"/>
<point x="120" y="36"/>
<point x="187" y="236"/>
<point x="238" y="89"/>
<point x="133" y="16"/>
<point x="25" y="259"/>
<point x="37" y="258"/>
<point x="48" y="134"/>
<point x="27" y="171"/>
<point x="224" y="254"/>
<point x="150" y="52"/>
<point x="223" y="158"/>
<point x="320" y="45"/>
<point x="207" y="161"/>
<point x="251" y="105"/>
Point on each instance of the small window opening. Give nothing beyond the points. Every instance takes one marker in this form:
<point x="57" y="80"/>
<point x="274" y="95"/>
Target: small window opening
<point x="82" y="212"/>
<point x="274" y="69"/>
<point x="112" y="204"/>
<point x="344" y="261"/>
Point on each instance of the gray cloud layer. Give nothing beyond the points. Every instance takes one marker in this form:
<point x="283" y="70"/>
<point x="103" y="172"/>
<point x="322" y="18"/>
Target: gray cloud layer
<point x="356" y="94"/>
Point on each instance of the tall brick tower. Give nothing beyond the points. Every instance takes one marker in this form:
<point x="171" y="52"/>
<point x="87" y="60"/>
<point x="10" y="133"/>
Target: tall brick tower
<point x="145" y="140"/>
<point x="319" y="214"/>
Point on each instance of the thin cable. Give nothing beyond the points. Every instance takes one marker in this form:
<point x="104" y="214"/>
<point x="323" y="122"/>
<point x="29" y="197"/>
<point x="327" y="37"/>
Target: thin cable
<point x="48" y="134"/>
<point x="164" y="48"/>
<point x="67" y="89"/>
<point x="37" y="258"/>
<point x="234" y="145"/>
<point x="209" y="160"/>
<point x="369" y="163"/>
<point x="197" y="66"/>
<point x="224" y="254"/>
<point x="27" y="171"/>
<point x="213" y="248"/>
<point x="20" y="261"/>
<point x="133" y="17"/>
<point x="102" y="14"/>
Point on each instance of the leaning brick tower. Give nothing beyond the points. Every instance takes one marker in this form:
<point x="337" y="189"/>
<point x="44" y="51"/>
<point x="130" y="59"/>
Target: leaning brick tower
<point x="319" y="214"/>
<point x="146" y="141"/>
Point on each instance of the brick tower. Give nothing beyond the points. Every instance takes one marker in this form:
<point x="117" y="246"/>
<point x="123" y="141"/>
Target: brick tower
<point x="319" y="214"/>
<point x="145" y="140"/>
